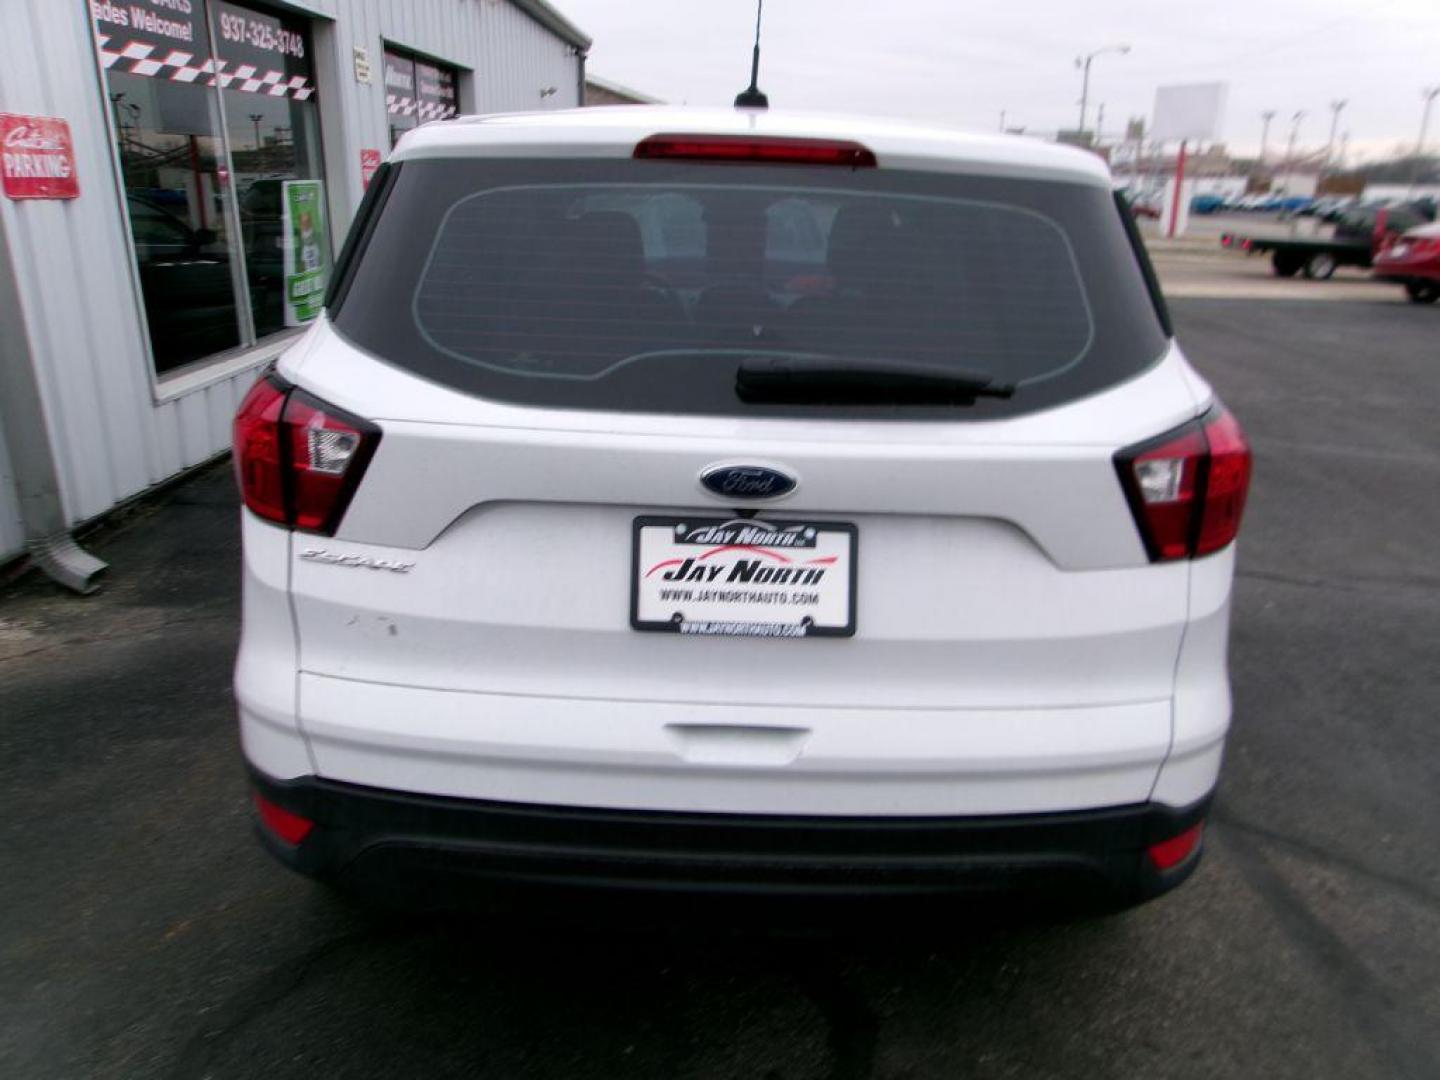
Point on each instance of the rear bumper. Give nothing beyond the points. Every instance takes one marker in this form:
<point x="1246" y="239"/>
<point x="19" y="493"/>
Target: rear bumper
<point x="417" y="849"/>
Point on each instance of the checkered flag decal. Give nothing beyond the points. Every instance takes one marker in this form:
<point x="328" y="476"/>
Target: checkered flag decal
<point x="141" y="58"/>
<point x="397" y="105"/>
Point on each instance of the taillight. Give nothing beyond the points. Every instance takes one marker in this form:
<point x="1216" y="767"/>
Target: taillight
<point x="298" y="459"/>
<point x="1187" y="488"/>
<point x="757" y="148"/>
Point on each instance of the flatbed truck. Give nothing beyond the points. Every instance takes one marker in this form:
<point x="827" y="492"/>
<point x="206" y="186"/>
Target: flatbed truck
<point x="1359" y="234"/>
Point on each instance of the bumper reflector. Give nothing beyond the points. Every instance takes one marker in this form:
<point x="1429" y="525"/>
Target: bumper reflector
<point x="1171" y="853"/>
<point x="292" y="828"/>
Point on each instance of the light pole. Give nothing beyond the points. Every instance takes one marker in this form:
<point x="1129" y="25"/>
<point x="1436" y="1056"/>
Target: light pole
<point x="1265" y="117"/>
<point x="1290" y="150"/>
<point x="1429" y="93"/>
<point x="1083" y="63"/>
<point x="118" y="100"/>
<point x="1335" y="107"/>
<point x="255" y="119"/>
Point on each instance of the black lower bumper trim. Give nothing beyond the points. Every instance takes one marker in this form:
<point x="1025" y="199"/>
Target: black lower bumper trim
<point x="380" y="841"/>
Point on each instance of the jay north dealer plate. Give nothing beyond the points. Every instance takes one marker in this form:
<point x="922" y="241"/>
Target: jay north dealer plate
<point x="744" y="577"/>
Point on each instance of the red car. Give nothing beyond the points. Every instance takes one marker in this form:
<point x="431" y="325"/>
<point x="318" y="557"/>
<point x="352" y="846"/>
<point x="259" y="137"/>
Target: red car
<point x="1414" y="261"/>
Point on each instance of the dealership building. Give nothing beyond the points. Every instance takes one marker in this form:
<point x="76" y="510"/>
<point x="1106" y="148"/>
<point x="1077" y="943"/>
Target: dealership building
<point x="178" y="177"/>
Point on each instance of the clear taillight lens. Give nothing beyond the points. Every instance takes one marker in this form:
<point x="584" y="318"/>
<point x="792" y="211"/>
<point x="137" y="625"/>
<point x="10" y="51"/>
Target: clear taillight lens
<point x="1187" y="488"/>
<point x="298" y="459"/>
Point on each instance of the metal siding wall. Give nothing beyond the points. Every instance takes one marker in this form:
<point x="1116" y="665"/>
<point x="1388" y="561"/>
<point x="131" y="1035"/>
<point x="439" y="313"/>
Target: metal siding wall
<point x="112" y="440"/>
<point x="12" y="537"/>
<point x="524" y="57"/>
<point x="72" y="262"/>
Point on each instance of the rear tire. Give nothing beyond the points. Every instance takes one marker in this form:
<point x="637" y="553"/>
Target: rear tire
<point x="1285" y="264"/>
<point x="1320" y="266"/>
<point x="1422" y="292"/>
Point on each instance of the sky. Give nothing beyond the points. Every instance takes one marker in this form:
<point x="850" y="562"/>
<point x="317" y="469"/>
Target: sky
<point x="961" y="62"/>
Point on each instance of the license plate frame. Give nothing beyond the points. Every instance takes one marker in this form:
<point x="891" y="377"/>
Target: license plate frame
<point x="835" y="545"/>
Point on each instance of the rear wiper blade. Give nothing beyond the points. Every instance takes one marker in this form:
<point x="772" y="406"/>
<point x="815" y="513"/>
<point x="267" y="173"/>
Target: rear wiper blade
<point x="841" y="380"/>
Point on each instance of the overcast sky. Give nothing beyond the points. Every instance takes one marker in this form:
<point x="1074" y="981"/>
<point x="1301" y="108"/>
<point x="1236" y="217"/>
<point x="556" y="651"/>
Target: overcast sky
<point x="962" y="61"/>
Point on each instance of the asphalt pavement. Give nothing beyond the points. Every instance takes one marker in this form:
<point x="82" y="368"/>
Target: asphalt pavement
<point x="145" y="934"/>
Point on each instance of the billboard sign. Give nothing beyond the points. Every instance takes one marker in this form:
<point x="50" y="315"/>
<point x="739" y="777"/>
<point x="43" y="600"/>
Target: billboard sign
<point x="1189" y="111"/>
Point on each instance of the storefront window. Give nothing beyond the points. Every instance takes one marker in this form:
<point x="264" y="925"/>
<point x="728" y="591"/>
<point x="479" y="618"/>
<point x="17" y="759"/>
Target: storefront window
<point x="274" y="133"/>
<point x="220" y="157"/>
<point x="172" y="161"/>
<point x="417" y="91"/>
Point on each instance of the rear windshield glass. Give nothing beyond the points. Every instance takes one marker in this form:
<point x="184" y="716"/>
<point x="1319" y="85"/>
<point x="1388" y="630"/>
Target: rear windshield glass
<point x="642" y="285"/>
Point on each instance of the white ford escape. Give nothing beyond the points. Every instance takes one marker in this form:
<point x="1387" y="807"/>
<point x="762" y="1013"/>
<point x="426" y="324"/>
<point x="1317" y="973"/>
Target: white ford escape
<point x="676" y="498"/>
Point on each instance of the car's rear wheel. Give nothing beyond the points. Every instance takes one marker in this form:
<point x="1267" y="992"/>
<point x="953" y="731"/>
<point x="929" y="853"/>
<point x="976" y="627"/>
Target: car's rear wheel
<point x="1422" y="292"/>
<point x="1320" y="266"/>
<point x="1285" y="264"/>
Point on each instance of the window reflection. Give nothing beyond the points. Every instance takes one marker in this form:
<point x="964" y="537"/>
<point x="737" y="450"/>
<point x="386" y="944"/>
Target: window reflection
<point x="170" y="164"/>
<point x="214" y="273"/>
<point x="271" y="140"/>
<point x="273" y="123"/>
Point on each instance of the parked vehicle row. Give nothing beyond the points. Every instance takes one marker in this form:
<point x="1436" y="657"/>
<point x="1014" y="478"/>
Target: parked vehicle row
<point x="1327" y="207"/>
<point x="1330" y="207"/>
<point x="1208" y="204"/>
<point x="1265" y="202"/>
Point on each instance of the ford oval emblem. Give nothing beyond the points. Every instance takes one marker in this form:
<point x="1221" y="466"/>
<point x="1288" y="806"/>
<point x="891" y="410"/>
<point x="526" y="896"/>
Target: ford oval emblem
<point x="744" y="482"/>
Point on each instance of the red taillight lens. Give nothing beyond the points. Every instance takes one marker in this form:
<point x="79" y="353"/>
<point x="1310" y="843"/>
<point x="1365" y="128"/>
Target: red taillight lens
<point x="756" y="148"/>
<point x="1187" y="489"/>
<point x="1226" y="484"/>
<point x="1169" y="854"/>
<point x="258" y="468"/>
<point x="298" y="459"/>
<point x="288" y="826"/>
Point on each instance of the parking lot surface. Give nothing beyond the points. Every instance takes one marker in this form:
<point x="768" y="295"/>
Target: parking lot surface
<point x="1192" y="274"/>
<point x="146" y="935"/>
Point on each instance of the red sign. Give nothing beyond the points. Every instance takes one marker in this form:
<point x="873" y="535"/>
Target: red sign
<point x="37" y="159"/>
<point x="369" y="162"/>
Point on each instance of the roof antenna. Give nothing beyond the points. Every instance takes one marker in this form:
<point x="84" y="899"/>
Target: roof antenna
<point x="752" y="97"/>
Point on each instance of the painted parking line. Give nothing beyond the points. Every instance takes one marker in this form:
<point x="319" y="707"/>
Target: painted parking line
<point x="1240" y="289"/>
